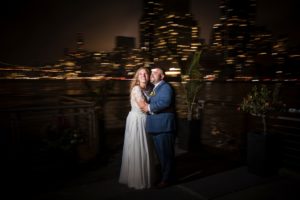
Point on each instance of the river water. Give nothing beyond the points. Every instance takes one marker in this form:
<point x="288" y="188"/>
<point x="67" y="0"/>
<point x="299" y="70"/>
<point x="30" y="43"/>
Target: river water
<point x="222" y="124"/>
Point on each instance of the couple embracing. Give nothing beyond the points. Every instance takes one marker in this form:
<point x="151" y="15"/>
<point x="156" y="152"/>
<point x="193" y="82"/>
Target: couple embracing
<point x="150" y="132"/>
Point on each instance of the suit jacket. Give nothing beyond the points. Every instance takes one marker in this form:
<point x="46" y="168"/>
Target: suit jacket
<point x="162" y="106"/>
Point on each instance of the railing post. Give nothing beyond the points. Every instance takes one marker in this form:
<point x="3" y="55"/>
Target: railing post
<point x="15" y="136"/>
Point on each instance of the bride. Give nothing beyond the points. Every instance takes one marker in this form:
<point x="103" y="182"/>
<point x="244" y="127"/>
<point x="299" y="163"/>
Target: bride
<point x="137" y="169"/>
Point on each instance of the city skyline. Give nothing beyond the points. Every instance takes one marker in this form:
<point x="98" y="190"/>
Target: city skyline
<point x="35" y="31"/>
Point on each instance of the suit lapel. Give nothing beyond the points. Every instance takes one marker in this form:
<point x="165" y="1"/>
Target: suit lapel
<point x="157" y="88"/>
<point x="162" y="82"/>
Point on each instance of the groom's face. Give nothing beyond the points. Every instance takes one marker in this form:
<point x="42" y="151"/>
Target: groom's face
<point x="156" y="75"/>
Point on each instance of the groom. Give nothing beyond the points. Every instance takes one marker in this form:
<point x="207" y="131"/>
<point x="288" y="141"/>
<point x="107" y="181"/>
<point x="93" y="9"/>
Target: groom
<point x="160" y="124"/>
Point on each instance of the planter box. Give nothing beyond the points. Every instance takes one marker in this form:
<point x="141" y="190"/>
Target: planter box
<point x="261" y="153"/>
<point x="189" y="134"/>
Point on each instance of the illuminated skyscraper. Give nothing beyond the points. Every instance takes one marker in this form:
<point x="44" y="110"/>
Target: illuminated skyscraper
<point x="79" y="42"/>
<point x="151" y="14"/>
<point x="232" y="35"/>
<point x="168" y="31"/>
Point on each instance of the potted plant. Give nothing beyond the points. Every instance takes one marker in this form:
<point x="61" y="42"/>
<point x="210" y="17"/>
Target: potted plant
<point x="191" y="125"/>
<point x="261" y="102"/>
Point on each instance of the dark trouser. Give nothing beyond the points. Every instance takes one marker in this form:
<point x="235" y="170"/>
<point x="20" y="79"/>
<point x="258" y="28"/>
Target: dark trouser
<point x="164" y="145"/>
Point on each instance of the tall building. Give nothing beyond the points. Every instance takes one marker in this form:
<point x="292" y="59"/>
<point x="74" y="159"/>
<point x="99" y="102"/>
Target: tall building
<point x="150" y="17"/>
<point x="123" y="47"/>
<point x="169" y="32"/>
<point x="232" y="35"/>
<point x="123" y="42"/>
<point x="79" y="42"/>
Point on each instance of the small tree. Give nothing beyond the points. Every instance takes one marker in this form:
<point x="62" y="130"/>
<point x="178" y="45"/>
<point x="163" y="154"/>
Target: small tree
<point x="260" y="102"/>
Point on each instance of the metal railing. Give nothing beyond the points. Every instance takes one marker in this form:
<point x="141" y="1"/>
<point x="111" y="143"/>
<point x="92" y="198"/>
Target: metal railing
<point x="29" y="131"/>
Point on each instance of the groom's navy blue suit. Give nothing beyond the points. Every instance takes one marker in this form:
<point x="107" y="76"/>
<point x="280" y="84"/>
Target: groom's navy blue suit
<point x="160" y="123"/>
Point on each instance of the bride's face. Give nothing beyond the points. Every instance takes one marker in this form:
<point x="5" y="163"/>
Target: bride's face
<point x="143" y="76"/>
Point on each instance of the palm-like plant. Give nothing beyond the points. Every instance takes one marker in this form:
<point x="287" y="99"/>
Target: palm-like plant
<point x="192" y="82"/>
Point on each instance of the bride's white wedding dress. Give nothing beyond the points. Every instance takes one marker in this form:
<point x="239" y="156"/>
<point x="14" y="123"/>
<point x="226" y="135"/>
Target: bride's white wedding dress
<point x="138" y="159"/>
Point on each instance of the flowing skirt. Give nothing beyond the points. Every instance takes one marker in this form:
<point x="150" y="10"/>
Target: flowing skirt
<point x="137" y="169"/>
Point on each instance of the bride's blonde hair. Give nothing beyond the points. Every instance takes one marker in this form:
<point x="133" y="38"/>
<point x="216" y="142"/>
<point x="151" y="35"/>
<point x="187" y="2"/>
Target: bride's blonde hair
<point x="135" y="81"/>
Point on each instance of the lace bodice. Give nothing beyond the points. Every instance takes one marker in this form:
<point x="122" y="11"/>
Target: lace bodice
<point x="136" y="96"/>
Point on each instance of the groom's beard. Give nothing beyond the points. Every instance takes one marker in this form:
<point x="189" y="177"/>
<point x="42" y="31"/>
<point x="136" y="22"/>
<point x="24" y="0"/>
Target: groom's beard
<point x="153" y="81"/>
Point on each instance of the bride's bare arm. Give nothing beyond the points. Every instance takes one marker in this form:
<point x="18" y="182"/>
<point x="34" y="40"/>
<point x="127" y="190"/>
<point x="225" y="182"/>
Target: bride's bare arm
<point x="143" y="106"/>
<point x="141" y="103"/>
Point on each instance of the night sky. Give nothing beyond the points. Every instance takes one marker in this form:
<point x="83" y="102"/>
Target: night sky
<point x="37" y="31"/>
